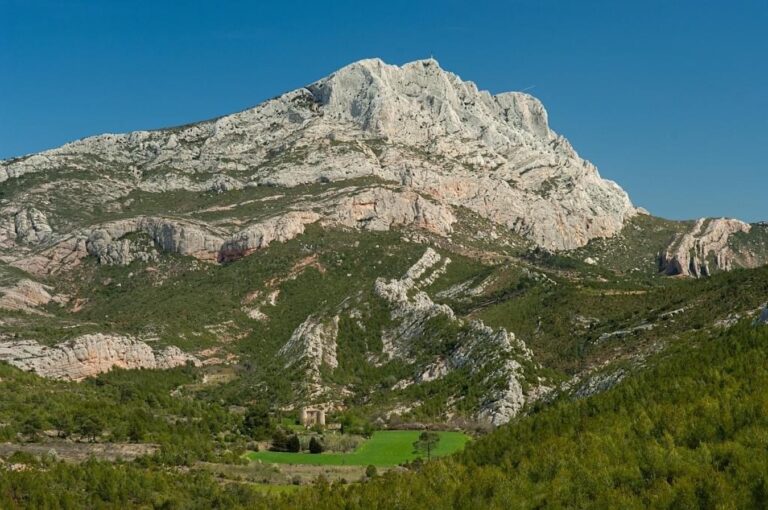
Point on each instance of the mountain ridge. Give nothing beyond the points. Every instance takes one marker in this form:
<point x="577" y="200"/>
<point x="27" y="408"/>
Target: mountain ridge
<point x="495" y="147"/>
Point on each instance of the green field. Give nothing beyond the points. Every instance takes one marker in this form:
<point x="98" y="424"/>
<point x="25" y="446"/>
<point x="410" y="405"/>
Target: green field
<point x="384" y="448"/>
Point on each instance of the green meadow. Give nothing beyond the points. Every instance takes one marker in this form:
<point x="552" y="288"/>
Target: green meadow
<point x="383" y="449"/>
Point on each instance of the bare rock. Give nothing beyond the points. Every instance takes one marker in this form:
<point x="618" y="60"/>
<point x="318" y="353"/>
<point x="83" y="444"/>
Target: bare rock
<point x="382" y="209"/>
<point x="493" y="355"/>
<point x="119" y="252"/>
<point x="25" y="295"/>
<point x="32" y="226"/>
<point x="688" y="254"/>
<point x="416" y="125"/>
<point x="313" y="345"/>
<point x="410" y="310"/>
<point x="66" y="254"/>
<point x="261" y="235"/>
<point x="89" y="355"/>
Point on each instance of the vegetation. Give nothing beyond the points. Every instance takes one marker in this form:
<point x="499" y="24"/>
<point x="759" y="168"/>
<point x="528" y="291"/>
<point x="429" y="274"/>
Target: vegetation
<point x="315" y="446"/>
<point x="685" y="428"/>
<point x="384" y="448"/>
<point x="691" y="431"/>
<point x="121" y="406"/>
<point x="427" y="443"/>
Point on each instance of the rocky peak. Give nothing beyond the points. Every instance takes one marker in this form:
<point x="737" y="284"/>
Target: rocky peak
<point x="419" y="102"/>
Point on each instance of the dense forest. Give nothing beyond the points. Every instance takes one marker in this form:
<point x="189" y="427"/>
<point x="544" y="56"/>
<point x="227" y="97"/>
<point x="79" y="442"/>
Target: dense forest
<point x="689" y="430"/>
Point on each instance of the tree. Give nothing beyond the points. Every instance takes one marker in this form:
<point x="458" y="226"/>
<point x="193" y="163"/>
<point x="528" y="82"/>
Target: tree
<point x="257" y="423"/>
<point x="315" y="446"/>
<point x="89" y="426"/>
<point x="294" y="444"/>
<point x="279" y="441"/>
<point x="427" y="443"/>
<point x="32" y="425"/>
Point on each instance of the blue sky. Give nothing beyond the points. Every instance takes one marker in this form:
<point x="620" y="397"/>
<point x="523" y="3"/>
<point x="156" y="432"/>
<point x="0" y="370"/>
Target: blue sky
<point x="669" y="98"/>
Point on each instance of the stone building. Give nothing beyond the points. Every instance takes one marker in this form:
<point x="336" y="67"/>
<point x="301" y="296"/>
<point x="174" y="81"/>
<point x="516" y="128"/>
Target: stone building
<point x="309" y="417"/>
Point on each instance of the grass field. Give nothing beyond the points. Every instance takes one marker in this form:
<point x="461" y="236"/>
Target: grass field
<point x="384" y="448"/>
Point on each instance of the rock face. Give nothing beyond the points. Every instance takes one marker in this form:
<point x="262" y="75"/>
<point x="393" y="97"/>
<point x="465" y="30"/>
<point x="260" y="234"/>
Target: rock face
<point x="371" y="209"/>
<point x="494" y="356"/>
<point x="89" y="355"/>
<point x="259" y="236"/>
<point x="31" y="226"/>
<point x="382" y="209"/>
<point x="25" y="295"/>
<point x="410" y="313"/>
<point x="443" y="141"/>
<point x="313" y="345"/>
<point x="690" y="253"/>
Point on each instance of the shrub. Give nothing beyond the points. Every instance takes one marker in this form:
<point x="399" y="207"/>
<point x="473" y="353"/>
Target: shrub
<point x="279" y="441"/>
<point x="294" y="444"/>
<point x="315" y="446"/>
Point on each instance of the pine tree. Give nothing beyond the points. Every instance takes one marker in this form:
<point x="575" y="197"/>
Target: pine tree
<point x="315" y="446"/>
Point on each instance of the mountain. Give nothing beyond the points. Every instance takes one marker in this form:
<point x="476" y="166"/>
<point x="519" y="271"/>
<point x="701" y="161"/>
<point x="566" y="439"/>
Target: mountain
<point x="389" y="244"/>
<point x="416" y="127"/>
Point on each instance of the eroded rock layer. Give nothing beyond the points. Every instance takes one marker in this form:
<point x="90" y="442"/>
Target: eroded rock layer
<point x="690" y="253"/>
<point x="89" y="355"/>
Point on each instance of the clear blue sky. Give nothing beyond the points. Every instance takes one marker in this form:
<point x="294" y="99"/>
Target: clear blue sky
<point x="669" y="98"/>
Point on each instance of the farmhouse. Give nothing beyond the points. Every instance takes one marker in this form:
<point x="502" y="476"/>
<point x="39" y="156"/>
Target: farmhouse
<point x="309" y="417"/>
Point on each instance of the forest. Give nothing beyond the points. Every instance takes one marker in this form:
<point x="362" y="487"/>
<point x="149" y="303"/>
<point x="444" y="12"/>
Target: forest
<point x="689" y="430"/>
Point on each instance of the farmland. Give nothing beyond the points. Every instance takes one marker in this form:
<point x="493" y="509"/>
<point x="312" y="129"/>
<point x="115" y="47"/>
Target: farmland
<point x="383" y="449"/>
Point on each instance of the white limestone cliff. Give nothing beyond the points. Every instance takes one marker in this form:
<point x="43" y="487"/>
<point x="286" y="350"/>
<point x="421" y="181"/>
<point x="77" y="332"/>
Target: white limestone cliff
<point x="689" y="252"/>
<point x="495" y="355"/>
<point x="313" y="345"/>
<point x="89" y="355"/>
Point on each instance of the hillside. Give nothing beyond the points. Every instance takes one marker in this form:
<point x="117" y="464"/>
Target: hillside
<point x="390" y="245"/>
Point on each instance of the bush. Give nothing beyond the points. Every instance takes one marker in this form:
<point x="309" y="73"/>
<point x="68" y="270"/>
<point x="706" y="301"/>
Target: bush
<point x="371" y="471"/>
<point x="279" y="441"/>
<point x="294" y="444"/>
<point x="315" y="446"/>
<point x="257" y="423"/>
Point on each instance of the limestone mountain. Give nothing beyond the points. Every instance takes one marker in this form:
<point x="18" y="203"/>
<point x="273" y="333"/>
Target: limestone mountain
<point x="388" y="238"/>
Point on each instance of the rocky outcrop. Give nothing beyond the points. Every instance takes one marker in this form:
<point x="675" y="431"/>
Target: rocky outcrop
<point x="313" y="345"/>
<point x="411" y="308"/>
<point x="32" y="226"/>
<point x="89" y="355"/>
<point x="383" y="209"/>
<point x="65" y="254"/>
<point x="494" y="356"/>
<point x="118" y="252"/>
<point x="689" y="254"/>
<point x="26" y="295"/>
<point x="593" y="384"/>
<point x="256" y="237"/>
<point x="504" y="161"/>
<point x="117" y="243"/>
